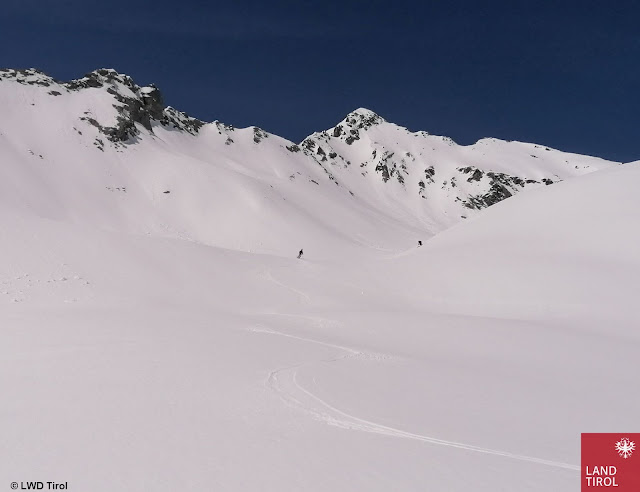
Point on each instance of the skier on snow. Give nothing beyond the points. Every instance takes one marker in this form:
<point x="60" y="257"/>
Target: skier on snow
<point x="300" y="254"/>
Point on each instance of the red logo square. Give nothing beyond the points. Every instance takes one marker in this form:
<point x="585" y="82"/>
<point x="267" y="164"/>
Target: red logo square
<point x="611" y="461"/>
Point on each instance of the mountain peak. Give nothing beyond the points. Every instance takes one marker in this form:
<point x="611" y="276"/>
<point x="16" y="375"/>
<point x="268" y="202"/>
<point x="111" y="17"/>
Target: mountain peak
<point x="102" y="77"/>
<point x="362" y="118"/>
<point x="349" y="128"/>
<point x="137" y="104"/>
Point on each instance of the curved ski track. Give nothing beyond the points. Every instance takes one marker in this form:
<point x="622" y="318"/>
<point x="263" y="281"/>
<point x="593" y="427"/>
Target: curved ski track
<point x="284" y="382"/>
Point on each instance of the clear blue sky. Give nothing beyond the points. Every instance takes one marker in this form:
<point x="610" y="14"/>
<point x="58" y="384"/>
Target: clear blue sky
<point x="564" y="74"/>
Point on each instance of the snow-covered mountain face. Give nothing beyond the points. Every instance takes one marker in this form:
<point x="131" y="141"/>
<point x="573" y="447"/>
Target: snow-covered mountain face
<point x="108" y="152"/>
<point x="142" y="322"/>
<point x="439" y="180"/>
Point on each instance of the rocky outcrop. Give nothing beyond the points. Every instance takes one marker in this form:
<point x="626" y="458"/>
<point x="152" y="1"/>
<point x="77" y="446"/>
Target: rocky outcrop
<point x="28" y="76"/>
<point x="500" y="186"/>
<point x="137" y="106"/>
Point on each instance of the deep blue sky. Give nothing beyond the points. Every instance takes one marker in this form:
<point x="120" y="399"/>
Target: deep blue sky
<point x="565" y="74"/>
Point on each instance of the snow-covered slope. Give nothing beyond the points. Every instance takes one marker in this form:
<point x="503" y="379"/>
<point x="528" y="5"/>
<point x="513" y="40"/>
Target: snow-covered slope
<point x="166" y="341"/>
<point x="432" y="177"/>
<point x="566" y="250"/>
<point x="104" y="151"/>
<point x="98" y="152"/>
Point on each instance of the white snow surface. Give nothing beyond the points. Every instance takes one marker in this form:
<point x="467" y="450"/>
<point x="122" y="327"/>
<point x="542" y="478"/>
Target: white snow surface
<point x="172" y="341"/>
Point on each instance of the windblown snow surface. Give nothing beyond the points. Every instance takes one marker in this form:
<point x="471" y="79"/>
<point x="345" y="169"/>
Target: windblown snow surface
<point x="172" y="341"/>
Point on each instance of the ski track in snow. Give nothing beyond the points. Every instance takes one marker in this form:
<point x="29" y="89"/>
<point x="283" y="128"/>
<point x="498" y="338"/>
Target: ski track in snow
<point x="284" y="382"/>
<point x="268" y="276"/>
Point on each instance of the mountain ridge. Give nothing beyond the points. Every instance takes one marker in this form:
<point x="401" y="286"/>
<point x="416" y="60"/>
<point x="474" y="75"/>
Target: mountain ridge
<point x="360" y="118"/>
<point x="394" y="184"/>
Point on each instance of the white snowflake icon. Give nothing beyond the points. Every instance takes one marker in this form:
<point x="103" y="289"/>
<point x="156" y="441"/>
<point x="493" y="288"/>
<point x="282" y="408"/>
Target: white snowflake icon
<point x="625" y="447"/>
